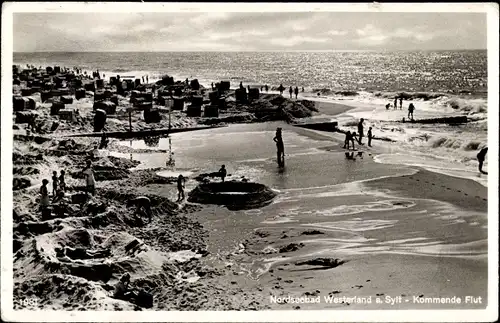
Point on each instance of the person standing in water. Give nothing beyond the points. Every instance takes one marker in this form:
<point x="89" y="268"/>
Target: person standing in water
<point x="296" y="92"/>
<point x="181" y="182"/>
<point x="370" y="136"/>
<point x="411" y="108"/>
<point x="481" y="156"/>
<point x="280" y="147"/>
<point x="347" y="139"/>
<point x="291" y="91"/>
<point x="360" y="131"/>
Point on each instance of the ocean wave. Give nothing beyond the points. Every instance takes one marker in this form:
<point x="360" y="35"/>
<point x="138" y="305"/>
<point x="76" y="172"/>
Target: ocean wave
<point x="425" y="96"/>
<point x="469" y="106"/>
<point x="457" y="143"/>
<point x="327" y="91"/>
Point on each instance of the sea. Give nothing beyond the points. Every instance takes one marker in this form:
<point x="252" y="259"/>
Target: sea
<point x="439" y="83"/>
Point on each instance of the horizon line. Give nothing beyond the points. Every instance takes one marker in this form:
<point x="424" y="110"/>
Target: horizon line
<point x="257" y="51"/>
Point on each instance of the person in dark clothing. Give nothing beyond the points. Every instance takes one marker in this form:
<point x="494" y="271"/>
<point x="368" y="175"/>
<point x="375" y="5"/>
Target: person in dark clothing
<point x="353" y="138"/>
<point x="291" y="92"/>
<point x="281" y="89"/>
<point x="360" y="131"/>
<point x="280" y="147"/>
<point x="395" y="103"/>
<point x="481" y="156"/>
<point x="296" y="92"/>
<point x="55" y="181"/>
<point x="401" y="103"/>
<point x="347" y="139"/>
<point x="370" y="136"/>
<point x="302" y="89"/>
<point x="104" y="141"/>
<point x="241" y="85"/>
<point x="212" y="86"/>
<point x="267" y="88"/>
<point x="181" y="182"/>
<point x="223" y="172"/>
<point x="411" y="108"/>
<point x="387" y="106"/>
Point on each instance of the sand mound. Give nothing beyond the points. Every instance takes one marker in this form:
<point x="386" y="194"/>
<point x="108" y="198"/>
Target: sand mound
<point x="234" y="195"/>
<point x="65" y="292"/>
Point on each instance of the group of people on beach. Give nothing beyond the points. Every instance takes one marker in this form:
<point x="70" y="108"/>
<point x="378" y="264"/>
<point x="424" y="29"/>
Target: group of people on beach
<point x="291" y="90"/>
<point x="411" y="107"/>
<point x="58" y="189"/>
<point x="351" y="136"/>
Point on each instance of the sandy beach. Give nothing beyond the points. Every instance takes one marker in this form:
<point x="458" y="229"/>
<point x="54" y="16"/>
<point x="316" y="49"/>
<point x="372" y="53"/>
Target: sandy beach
<point x="355" y="234"/>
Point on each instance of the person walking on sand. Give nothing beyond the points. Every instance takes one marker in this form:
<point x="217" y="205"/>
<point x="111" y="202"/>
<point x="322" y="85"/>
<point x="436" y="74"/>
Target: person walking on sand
<point x="181" y="182"/>
<point x="44" y="192"/>
<point x="360" y="131"/>
<point x="481" y="156"/>
<point x="411" y="108"/>
<point x="370" y="136"/>
<point x="223" y="173"/>
<point x="280" y="147"/>
<point x="88" y="173"/>
<point x="291" y="91"/>
<point x="395" y="103"/>
<point x="55" y="181"/>
<point x="296" y="92"/>
<point x="401" y="103"/>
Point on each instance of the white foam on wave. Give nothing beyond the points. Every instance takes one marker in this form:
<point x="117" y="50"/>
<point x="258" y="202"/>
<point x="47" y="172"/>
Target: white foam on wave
<point x="433" y="164"/>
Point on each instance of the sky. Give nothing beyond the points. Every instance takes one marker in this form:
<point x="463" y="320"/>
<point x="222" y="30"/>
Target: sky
<point x="248" y="31"/>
